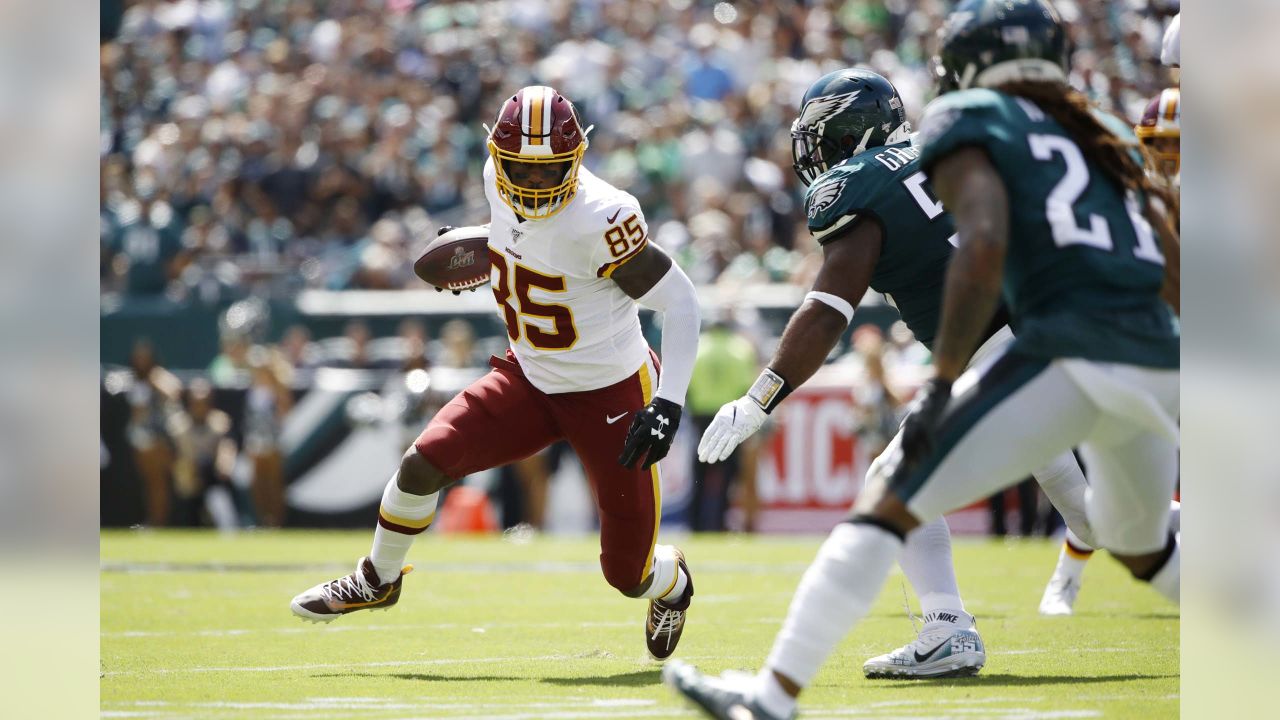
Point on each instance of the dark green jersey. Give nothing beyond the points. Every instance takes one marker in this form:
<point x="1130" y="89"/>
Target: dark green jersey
<point x="887" y="184"/>
<point x="1084" y="268"/>
<point x="150" y="243"/>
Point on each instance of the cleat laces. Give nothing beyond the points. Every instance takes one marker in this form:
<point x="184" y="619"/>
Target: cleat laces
<point x="350" y="587"/>
<point x="667" y="621"/>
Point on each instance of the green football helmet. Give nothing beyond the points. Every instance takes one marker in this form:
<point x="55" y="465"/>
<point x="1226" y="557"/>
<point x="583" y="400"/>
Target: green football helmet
<point x="842" y="114"/>
<point x="986" y="43"/>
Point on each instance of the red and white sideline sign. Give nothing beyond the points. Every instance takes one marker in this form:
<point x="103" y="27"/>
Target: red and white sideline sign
<point x="811" y="466"/>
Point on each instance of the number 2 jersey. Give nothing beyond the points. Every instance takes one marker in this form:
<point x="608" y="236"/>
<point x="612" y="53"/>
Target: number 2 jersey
<point x="571" y="327"/>
<point x="1083" y="268"/>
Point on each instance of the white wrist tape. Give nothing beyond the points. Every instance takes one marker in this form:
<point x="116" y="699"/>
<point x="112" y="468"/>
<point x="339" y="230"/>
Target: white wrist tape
<point x="834" y="302"/>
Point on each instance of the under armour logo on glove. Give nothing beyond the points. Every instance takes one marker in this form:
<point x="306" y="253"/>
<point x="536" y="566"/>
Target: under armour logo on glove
<point x="661" y="418"/>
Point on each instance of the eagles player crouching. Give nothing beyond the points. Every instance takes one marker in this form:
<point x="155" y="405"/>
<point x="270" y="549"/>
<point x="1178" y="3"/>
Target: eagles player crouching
<point x="570" y="258"/>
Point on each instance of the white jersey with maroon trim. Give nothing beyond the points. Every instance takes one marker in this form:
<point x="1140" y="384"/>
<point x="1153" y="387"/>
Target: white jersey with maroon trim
<point x="570" y="326"/>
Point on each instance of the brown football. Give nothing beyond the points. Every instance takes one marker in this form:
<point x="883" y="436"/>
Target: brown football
<point x="456" y="260"/>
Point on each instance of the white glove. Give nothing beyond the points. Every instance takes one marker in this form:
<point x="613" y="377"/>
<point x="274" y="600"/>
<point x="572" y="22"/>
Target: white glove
<point x="735" y="422"/>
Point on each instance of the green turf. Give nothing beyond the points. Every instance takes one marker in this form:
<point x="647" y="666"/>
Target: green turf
<point x="198" y="625"/>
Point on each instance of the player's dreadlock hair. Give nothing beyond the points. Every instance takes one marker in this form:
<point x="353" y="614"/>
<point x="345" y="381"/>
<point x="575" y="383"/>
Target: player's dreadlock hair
<point x="1074" y="113"/>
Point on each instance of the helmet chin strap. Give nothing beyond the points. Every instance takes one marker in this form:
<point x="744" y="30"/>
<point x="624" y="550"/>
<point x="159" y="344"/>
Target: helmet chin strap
<point x="863" y="145"/>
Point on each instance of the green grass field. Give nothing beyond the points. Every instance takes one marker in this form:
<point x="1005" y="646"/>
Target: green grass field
<point x="195" y="625"/>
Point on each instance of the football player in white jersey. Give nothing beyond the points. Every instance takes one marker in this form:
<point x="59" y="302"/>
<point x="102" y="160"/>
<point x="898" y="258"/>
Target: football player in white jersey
<point x="570" y="259"/>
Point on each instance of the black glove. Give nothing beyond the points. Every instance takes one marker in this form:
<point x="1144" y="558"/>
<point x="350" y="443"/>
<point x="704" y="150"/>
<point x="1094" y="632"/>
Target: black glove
<point x="919" y="428"/>
<point x="651" y="433"/>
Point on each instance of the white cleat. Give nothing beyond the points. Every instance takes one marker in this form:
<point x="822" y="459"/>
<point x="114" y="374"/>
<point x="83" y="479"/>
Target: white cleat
<point x="1060" y="595"/>
<point x="947" y="651"/>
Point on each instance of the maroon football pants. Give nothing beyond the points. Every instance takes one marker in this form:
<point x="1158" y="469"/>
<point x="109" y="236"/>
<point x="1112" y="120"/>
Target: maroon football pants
<point x="502" y="417"/>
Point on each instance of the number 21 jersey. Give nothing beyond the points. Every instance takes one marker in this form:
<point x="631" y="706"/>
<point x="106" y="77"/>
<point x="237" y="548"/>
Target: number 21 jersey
<point x="1084" y="267"/>
<point x="569" y="324"/>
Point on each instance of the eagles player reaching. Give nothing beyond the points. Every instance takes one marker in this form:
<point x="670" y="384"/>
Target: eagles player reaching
<point x="1051" y="201"/>
<point x="870" y="206"/>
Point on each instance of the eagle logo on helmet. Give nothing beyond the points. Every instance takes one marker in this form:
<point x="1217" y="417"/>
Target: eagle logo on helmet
<point x="819" y="110"/>
<point x="537" y="126"/>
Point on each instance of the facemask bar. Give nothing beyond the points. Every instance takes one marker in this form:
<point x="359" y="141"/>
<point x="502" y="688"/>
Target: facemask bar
<point x="809" y="153"/>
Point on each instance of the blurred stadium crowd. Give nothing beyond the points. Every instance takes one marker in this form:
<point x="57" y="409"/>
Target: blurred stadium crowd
<point x="265" y="146"/>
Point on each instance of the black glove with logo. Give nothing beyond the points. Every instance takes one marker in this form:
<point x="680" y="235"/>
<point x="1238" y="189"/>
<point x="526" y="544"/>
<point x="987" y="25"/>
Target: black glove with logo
<point x="921" y="425"/>
<point x="651" y="433"/>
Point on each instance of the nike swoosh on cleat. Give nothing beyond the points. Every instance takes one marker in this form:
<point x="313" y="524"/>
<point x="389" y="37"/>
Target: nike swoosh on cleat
<point x="615" y="216"/>
<point x="612" y="420"/>
<point x="921" y="658"/>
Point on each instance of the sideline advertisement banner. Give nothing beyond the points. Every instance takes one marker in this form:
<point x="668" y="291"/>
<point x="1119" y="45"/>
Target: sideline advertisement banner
<point x="811" y="466"/>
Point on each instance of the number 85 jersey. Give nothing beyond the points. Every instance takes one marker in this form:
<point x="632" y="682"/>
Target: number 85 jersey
<point x="571" y="327"/>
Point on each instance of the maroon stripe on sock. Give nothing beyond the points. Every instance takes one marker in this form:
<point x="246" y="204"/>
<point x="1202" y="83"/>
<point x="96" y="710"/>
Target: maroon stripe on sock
<point x="1078" y="551"/>
<point x="393" y="527"/>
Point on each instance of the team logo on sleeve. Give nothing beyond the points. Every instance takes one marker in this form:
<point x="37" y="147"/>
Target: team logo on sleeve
<point x="824" y="196"/>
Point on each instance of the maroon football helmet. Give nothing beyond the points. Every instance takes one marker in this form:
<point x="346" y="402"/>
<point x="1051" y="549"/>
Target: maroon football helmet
<point x="537" y="125"/>
<point x="1161" y="130"/>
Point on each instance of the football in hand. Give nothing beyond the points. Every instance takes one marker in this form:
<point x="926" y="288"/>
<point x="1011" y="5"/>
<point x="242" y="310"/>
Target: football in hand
<point x="457" y="259"/>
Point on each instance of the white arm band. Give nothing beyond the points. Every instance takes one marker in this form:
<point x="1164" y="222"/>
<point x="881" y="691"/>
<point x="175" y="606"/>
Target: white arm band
<point x="674" y="297"/>
<point x="835" y="302"/>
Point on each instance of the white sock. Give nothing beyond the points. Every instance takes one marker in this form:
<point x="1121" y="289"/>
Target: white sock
<point x="1065" y="485"/>
<point x="1169" y="580"/>
<point x="401" y="518"/>
<point x="926" y="561"/>
<point x="669" y="580"/>
<point x="677" y="590"/>
<point x="835" y="593"/>
<point x="1083" y="550"/>
<point x="1072" y="557"/>
<point x="770" y="695"/>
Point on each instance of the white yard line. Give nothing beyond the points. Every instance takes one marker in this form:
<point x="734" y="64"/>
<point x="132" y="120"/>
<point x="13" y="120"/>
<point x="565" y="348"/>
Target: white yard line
<point x="578" y="708"/>
<point x="391" y="663"/>
<point x="484" y="568"/>
<point x="1037" y="651"/>
<point x="566" y="708"/>
<point x="299" y="628"/>
<point x="329" y="666"/>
